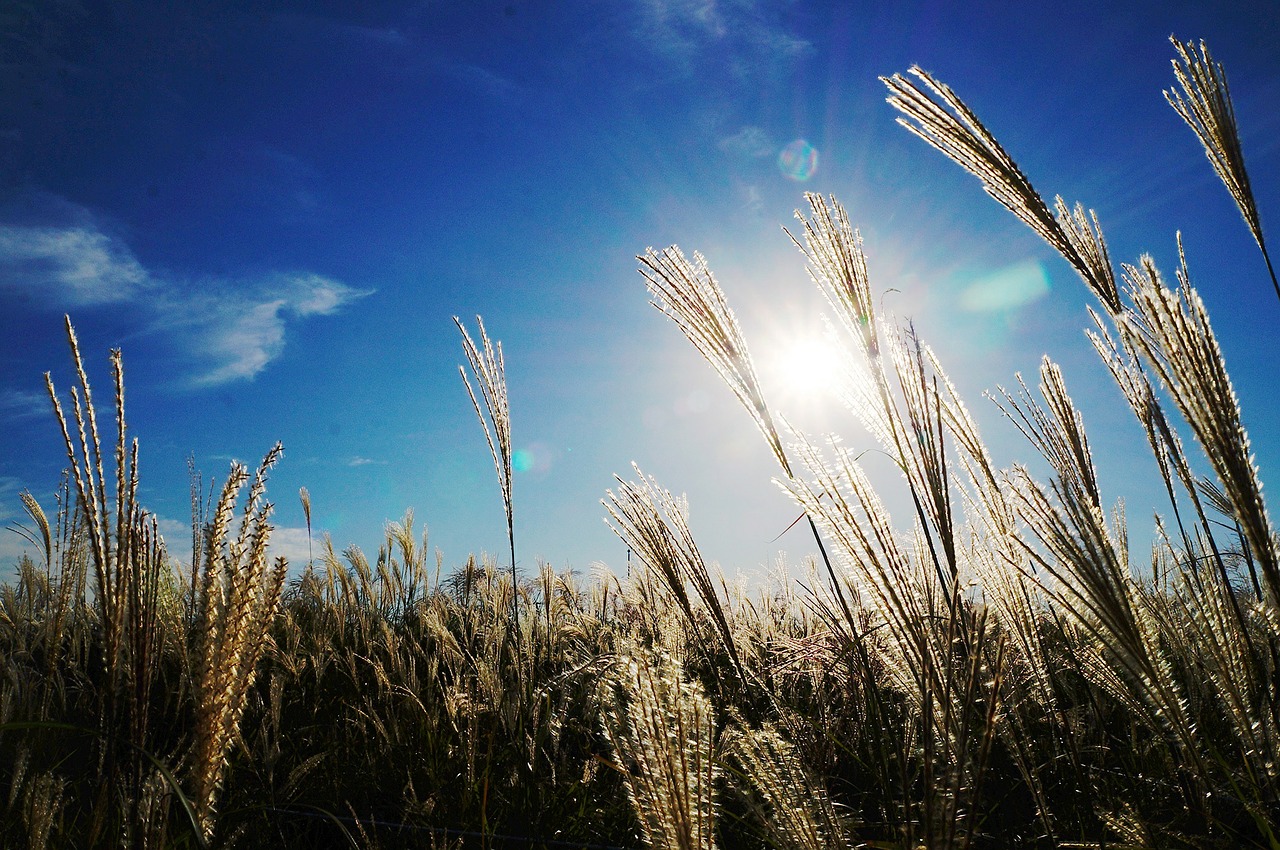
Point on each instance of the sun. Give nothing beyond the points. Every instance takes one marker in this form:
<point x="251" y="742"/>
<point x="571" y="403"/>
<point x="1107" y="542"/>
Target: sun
<point x="807" y="368"/>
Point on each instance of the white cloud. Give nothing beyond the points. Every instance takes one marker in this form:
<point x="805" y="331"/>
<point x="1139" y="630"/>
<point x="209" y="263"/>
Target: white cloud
<point x="749" y="141"/>
<point x="482" y="79"/>
<point x="311" y="24"/>
<point x="679" y="19"/>
<point x="77" y="266"/>
<point x="384" y="36"/>
<point x="365" y="461"/>
<point x="314" y="295"/>
<point x="294" y="544"/>
<point x="748" y="29"/>
<point x="241" y="341"/>
<point x="233" y="328"/>
<point x="24" y="404"/>
<point x="238" y="335"/>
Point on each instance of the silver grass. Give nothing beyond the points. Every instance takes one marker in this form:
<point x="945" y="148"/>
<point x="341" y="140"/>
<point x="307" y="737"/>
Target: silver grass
<point x="913" y="433"/>
<point x="45" y="544"/>
<point x="838" y="267"/>
<point x="1086" y="559"/>
<point x="663" y="730"/>
<point x="792" y="804"/>
<point x="921" y="450"/>
<point x="1057" y="433"/>
<point x="655" y="525"/>
<point x="1166" y="446"/>
<point x="108" y="550"/>
<point x="688" y="294"/>
<point x="1171" y="330"/>
<point x="847" y="508"/>
<point x="933" y="112"/>
<point x="993" y="553"/>
<point x="489" y="368"/>
<point x="1204" y="103"/>
<point x="42" y="808"/>
<point x="1199" y="613"/>
<point x="239" y="595"/>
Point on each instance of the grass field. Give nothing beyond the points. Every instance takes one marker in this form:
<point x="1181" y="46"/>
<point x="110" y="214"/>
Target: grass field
<point x="995" y="673"/>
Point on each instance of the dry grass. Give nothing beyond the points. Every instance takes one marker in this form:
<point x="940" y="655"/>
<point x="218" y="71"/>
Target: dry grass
<point x="1204" y="102"/>
<point x="990" y="670"/>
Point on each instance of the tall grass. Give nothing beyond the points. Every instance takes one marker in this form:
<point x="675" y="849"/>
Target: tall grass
<point x="990" y="670"/>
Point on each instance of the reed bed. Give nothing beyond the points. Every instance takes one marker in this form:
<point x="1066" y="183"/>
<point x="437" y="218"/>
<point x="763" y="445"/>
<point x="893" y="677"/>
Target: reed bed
<point x="991" y="670"/>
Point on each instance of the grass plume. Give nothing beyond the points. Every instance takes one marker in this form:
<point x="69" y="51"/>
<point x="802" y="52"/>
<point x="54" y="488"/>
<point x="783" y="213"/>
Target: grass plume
<point x="1204" y="103"/>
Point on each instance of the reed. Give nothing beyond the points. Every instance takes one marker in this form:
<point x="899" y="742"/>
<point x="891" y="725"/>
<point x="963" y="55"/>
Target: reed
<point x="663" y="729"/>
<point x="1204" y="103"/>
<point x="235" y="607"/>
<point x="489" y="369"/>
<point x="993" y="668"/>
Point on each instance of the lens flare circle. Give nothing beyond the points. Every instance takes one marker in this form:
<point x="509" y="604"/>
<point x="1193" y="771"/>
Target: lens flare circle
<point x="798" y="161"/>
<point x="535" y="457"/>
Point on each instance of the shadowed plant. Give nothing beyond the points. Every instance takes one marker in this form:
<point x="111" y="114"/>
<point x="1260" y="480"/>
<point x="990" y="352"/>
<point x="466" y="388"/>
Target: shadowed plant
<point x="129" y="567"/>
<point x="787" y="799"/>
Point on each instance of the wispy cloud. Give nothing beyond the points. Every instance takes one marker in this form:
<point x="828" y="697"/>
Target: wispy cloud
<point x="747" y="29"/>
<point x="314" y="24"/>
<point x="404" y="45"/>
<point x="23" y="404"/>
<point x="679" y="24"/>
<point x="232" y="328"/>
<point x="365" y="461"/>
<point x="481" y="79"/>
<point x="749" y="141"/>
<point x="77" y="266"/>
<point x="235" y="334"/>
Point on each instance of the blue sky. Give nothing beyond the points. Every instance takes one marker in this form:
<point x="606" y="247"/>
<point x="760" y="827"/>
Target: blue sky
<point x="276" y="208"/>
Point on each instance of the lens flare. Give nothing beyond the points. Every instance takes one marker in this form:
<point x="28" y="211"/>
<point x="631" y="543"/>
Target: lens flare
<point x="535" y="457"/>
<point x="798" y="161"/>
<point x="1006" y="289"/>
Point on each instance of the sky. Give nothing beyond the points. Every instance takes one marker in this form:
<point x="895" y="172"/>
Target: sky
<point x="275" y="209"/>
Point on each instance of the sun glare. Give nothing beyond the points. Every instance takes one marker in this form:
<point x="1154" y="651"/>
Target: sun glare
<point x="808" y="368"/>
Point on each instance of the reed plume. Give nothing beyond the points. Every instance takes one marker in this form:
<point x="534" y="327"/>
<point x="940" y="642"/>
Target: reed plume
<point x="239" y="594"/>
<point x="655" y="525"/>
<point x="688" y="294"/>
<point x="788" y="801"/>
<point x="1204" y="103"/>
<point x="489" y="369"/>
<point x="662" y="727"/>
<point x="1171" y="329"/>
<point x="932" y="111"/>
<point x="129" y="561"/>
